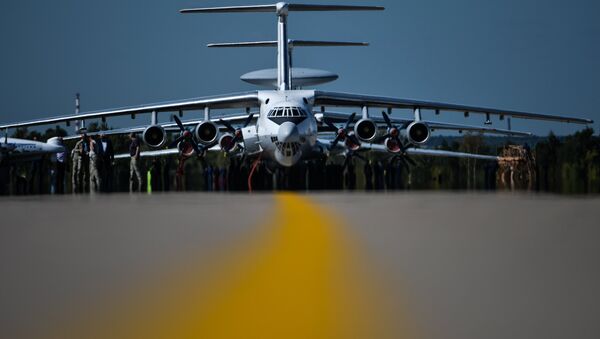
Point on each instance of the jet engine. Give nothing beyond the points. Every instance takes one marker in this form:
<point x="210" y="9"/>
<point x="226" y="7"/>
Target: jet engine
<point x="227" y="143"/>
<point x="365" y="130"/>
<point x="207" y="133"/>
<point x="154" y="136"/>
<point x="417" y="133"/>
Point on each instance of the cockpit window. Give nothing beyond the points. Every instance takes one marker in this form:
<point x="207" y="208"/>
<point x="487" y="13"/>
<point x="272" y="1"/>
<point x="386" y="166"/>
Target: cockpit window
<point x="279" y="115"/>
<point x="287" y="112"/>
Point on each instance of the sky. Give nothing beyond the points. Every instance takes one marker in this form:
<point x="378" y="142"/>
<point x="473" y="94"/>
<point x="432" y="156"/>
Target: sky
<point x="525" y="55"/>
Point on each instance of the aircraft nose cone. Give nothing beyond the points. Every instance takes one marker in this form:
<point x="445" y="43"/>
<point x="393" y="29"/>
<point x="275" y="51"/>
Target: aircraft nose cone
<point x="288" y="132"/>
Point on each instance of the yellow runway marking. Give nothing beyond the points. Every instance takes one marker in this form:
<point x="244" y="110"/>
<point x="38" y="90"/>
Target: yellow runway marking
<point x="301" y="279"/>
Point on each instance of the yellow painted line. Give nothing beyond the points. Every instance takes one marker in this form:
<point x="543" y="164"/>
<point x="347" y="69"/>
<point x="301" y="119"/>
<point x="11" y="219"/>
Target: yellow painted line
<point x="302" y="278"/>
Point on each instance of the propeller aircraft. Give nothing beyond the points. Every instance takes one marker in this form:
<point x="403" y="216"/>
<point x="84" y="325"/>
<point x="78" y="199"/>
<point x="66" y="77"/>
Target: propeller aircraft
<point x="292" y="124"/>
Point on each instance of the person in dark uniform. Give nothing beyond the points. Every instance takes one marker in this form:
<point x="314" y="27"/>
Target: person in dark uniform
<point x="379" y="176"/>
<point x="107" y="159"/>
<point x="368" y="176"/>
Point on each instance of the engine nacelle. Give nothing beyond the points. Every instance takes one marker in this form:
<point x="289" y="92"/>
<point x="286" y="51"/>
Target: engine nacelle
<point x="154" y="136"/>
<point x="365" y="130"/>
<point x="392" y="145"/>
<point x="185" y="148"/>
<point x="207" y="133"/>
<point x="418" y="133"/>
<point x="225" y="142"/>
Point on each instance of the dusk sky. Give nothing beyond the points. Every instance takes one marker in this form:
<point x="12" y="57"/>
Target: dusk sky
<point x="535" y="56"/>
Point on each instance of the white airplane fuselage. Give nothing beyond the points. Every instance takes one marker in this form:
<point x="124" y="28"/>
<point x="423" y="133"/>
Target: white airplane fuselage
<point x="22" y="148"/>
<point x="286" y="129"/>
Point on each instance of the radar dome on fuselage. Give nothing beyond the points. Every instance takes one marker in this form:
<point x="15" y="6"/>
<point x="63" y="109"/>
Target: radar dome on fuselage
<point x="301" y="77"/>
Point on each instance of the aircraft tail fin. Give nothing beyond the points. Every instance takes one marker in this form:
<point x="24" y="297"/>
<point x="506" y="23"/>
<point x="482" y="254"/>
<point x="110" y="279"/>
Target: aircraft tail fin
<point x="281" y="9"/>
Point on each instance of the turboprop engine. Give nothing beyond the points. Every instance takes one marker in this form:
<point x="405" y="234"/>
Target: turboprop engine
<point x="365" y="130"/>
<point x="207" y="133"/>
<point x="186" y="149"/>
<point x="154" y="136"/>
<point x="417" y="133"/>
<point x="227" y="143"/>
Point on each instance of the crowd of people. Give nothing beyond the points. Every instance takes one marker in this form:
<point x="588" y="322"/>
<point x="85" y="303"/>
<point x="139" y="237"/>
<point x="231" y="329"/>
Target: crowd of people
<point x="91" y="163"/>
<point x="94" y="160"/>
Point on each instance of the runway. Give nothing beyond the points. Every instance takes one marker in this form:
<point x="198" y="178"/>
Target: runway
<point x="334" y="265"/>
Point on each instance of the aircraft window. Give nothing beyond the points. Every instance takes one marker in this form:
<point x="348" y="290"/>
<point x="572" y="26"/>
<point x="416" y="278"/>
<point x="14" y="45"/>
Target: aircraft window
<point x="279" y="112"/>
<point x="287" y="112"/>
<point x="295" y="112"/>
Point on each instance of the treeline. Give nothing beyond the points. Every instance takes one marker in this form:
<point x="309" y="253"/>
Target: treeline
<point x="567" y="164"/>
<point x="570" y="164"/>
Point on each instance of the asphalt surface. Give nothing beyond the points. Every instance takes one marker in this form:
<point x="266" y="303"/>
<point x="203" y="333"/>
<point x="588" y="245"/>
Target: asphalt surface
<point x="450" y="265"/>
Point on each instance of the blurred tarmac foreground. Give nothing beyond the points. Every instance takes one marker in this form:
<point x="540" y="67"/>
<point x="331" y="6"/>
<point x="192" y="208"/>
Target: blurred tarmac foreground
<point x="288" y="265"/>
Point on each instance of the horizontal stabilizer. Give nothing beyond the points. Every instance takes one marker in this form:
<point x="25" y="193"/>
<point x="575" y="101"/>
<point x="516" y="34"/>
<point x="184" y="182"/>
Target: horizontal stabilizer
<point x="281" y="7"/>
<point x="291" y="43"/>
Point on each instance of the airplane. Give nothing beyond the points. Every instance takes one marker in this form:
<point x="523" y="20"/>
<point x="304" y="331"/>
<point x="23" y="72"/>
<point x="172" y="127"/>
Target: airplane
<point x="15" y="150"/>
<point x="291" y="124"/>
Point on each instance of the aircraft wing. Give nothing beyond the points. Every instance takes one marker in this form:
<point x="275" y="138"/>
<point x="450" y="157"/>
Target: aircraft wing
<point x="237" y="100"/>
<point x="150" y="154"/>
<point x="341" y="148"/>
<point x="161" y="153"/>
<point x="434" y="153"/>
<point x="168" y="126"/>
<point x="450" y="154"/>
<point x="339" y="117"/>
<point x="358" y="100"/>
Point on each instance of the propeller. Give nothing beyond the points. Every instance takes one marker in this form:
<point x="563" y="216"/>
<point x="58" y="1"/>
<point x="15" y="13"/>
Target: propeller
<point x="393" y="132"/>
<point x="405" y="160"/>
<point x="350" y="155"/>
<point x="343" y="133"/>
<point x="237" y="132"/>
<point x="186" y="136"/>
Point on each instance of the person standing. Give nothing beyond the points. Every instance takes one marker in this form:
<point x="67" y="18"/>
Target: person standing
<point x="95" y="181"/>
<point x="61" y="161"/>
<point x="368" y="176"/>
<point x="77" y="155"/>
<point x="107" y="157"/>
<point x="134" y="169"/>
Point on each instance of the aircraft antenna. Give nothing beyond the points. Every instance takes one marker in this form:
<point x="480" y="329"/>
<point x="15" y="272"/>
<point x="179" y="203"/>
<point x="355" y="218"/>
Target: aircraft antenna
<point x="80" y="125"/>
